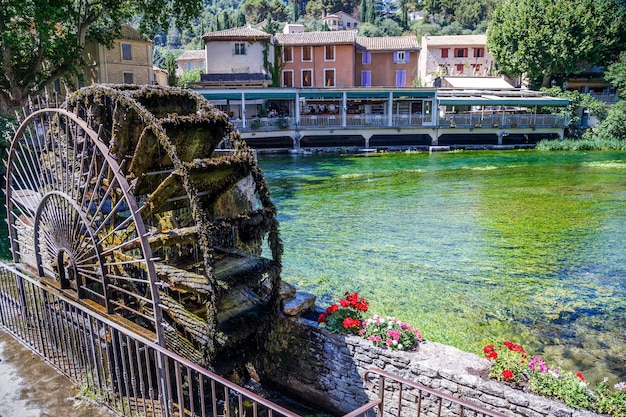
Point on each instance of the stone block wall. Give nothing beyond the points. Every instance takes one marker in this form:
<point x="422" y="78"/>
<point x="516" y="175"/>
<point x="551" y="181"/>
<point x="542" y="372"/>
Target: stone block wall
<point x="327" y="371"/>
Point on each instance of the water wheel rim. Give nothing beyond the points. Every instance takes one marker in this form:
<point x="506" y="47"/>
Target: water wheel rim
<point x="36" y="135"/>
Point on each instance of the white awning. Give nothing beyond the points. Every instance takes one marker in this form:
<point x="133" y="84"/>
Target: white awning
<point x="478" y="83"/>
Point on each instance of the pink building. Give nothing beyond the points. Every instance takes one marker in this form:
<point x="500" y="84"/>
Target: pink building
<point x="317" y="59"/>
<point x="386" y="61"/>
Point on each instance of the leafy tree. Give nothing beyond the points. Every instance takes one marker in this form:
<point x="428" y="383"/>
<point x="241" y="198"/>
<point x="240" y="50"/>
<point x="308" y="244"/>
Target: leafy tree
<point x="158" y="56"/>
<point x="189" y="77"/>
<point x="551" y="38"/>
<point x="42" y="41"/>
<point x="240" y="19"/>
<point x="363" y="9"/>
<point x="577" y="103"/>
<point x="295" y="10"/>
<point x="614" y="126"/>
<point x="314" y="9"/>
<point x="170" y="66"/>
<point x="272" y="27"/>
<point x="225" y="19"/>
<point x="390" y="27"/>
<point x="258" y="10"/>
<point x="370" y="30"/>
<point x="370" y="17"/>
<point x="454" y="28"/>
<point x="616" y="75"/>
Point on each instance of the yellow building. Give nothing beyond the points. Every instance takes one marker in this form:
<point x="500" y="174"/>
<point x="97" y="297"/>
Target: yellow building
<point x="129" y="61"/>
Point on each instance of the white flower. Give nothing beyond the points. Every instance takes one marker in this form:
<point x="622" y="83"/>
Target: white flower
<point x="400" y="347"/>
<point x="395" y="342"/>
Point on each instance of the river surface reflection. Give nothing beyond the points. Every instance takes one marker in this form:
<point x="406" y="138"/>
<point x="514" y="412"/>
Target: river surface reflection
<point x="472" y="247"/>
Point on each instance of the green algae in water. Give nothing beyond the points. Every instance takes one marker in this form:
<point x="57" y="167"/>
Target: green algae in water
<point x="472" y="247"/>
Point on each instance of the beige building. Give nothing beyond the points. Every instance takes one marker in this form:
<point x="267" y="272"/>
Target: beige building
<point x="160" y="76"/>
<point x="460" y="55"/>
<point x="128" y="62"/>
<point x="341" y="21"/>
<point x="235" y="57"/>
<point x="190" y="60"/>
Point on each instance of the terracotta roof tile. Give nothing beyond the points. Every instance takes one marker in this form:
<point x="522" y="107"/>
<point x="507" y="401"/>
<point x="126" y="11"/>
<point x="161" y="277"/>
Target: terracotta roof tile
<point x="194" y="54"/>
<point x="243" y="33"/>
<point x="390" y="43"/>
<point x="316" y="38"/>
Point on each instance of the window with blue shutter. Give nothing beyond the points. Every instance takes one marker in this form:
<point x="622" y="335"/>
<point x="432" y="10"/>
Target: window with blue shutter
<point x="399" y="57"/>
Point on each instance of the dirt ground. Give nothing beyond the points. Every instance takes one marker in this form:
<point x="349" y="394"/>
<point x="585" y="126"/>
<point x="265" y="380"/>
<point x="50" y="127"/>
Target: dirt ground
<point x="29" y="387"/>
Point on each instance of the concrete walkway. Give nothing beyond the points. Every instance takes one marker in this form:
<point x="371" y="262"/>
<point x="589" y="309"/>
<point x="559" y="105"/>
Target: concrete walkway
<point x="29" y="387"/>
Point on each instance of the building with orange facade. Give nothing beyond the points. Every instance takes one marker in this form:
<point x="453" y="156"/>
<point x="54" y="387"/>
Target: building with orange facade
<point x="317" y="59"/>
<point x="386" y="61"/>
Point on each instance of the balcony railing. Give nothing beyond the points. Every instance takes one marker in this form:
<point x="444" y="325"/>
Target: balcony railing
<point x="379" y="121"/>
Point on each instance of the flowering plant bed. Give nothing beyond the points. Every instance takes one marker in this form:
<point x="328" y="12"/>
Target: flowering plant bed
<point x="510" y="364"/>
<point x="344" y="317"/>
<point x="390" y="332"/>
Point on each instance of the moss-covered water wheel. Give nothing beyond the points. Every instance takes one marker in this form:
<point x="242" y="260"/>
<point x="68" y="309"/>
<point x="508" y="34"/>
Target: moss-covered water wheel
<point x="122" y="199"/>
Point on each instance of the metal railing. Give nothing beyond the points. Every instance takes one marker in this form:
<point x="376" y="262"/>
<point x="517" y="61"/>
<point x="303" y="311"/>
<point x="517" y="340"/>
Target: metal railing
<point x="114" y="365"/>
<point x="400" y="397"/>
<point x="476" y="120"/>
<point x="379" y="121"/>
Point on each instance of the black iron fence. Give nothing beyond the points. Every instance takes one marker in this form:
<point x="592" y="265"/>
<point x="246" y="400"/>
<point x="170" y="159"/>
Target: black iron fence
<point x="117" y="364"/>
<point x="399" y="397"/>
<point x="112" y="362"/>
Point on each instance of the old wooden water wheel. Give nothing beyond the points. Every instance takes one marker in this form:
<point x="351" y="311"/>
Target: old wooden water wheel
<point x="120" y="198"/>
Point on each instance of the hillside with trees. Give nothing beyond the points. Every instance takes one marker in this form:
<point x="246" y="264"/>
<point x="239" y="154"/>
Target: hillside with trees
<point x="379" y="17"/>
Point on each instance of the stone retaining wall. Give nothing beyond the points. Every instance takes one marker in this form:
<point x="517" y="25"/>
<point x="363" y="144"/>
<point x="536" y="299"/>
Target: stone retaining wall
<point x="327" y="370"/>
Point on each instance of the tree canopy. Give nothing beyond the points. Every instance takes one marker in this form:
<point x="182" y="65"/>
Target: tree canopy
<point x="616" y="74"/>
<point x="547" y="39"/>
<point x="42" y="41"/>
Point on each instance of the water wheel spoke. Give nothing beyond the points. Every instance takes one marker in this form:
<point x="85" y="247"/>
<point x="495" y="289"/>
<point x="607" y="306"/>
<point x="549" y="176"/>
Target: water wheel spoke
<point x="121" y="198"/>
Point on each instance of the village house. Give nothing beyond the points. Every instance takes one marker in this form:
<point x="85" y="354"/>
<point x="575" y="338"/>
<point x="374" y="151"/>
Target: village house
<point x="386" y="61"/>
<point x="317" y="59"/>
<point x="341" y="21"/>
<point x="235" y="57"/>
<point x="190" y="60"/>
<point x="459" y="55"/>
<point x="129" y="61"/>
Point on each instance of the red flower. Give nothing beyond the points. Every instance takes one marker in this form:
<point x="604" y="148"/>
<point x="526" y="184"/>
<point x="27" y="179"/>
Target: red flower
<point x="332" y="309"/>
<point x="492" y="355"/>
<point x="344" y="303"/>
<point x="322" y="318"/>
<point x="580" y="376"/>
<point x="488" y="349"/>
<point x="349" y="322"/>
<point x="507" y="374"/>
<point x="361" y="305"/>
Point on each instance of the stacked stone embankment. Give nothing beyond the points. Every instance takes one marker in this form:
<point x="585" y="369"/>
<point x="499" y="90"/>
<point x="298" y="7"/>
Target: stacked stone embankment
<point x="327" y="370"/>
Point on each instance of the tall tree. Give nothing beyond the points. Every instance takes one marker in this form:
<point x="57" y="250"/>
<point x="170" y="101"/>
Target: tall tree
<point x="170" y="66"/>
<point x="616" y="74"/>
<point x="545" y="39"/>
<point x="42" y="41"/>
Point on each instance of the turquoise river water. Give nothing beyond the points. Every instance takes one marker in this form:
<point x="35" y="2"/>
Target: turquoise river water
<point x="471" y="247"/>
